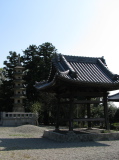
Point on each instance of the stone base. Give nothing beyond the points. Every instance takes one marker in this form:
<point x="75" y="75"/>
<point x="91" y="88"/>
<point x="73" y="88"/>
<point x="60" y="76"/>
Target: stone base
<point x="18" y="118"/>
<point x="81" y="137"/>
<point x="18" y="109"/>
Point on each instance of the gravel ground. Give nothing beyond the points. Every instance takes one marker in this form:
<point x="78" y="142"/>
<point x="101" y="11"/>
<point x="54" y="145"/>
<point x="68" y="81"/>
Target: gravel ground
<point x="26" y="143"/>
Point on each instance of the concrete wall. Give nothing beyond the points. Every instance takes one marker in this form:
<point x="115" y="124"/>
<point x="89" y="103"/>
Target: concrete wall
<point x="18" y="118"/>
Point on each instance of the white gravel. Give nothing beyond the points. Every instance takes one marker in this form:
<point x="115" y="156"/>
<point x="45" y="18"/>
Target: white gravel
<point x="26" y="143"/>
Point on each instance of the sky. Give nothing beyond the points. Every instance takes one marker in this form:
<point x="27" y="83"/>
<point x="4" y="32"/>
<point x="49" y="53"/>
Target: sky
<point x="75" y="27"/>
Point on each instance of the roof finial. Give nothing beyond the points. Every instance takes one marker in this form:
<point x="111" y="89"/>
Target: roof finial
<point x="19" y="59"/>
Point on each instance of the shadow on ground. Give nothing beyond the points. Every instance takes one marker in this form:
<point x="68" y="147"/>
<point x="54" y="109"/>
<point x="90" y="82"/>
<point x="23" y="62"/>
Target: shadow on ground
<point x="8" y="144"/>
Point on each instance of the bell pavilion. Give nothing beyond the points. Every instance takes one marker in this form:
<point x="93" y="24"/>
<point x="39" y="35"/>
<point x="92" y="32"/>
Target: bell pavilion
<point x="80" y="80"/>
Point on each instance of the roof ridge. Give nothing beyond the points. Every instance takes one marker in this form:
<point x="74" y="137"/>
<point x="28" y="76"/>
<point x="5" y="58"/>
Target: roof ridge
<point x="67" y="63"/>
<point x="84" y="59"/>
<point x="83" y="56"/>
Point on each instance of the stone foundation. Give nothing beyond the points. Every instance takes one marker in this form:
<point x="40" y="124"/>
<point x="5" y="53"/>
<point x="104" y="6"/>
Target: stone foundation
<point x="81" y="137"/>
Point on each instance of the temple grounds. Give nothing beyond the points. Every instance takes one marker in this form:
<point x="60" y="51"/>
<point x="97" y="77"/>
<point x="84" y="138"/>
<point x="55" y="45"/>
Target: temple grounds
<point x="26" y="142"/>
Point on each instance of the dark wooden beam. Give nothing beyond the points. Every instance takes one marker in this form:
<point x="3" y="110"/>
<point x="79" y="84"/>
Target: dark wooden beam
<point x="88" y="119"/>
<point x="106" y="110"/>
<point x="82" y="94"/>
<point x="89" y="113"/>
<point x="83" y="102"/>
<point x="88" y="102"/>
<point x="71" y="114"/>
<point x="57" y="114"/>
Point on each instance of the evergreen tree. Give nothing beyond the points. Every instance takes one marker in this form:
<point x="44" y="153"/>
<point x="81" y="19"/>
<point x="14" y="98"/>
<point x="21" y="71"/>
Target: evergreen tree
<point x="37" y="62"/>
<point x="6" y="88"/>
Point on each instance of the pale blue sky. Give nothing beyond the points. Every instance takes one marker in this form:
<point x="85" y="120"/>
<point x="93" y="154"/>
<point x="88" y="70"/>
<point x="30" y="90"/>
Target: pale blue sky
<point x="74" y="27"/>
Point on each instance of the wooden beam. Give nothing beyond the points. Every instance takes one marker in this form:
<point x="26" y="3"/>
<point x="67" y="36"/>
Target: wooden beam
<point x="88" y="119"/>
<point x="87" y="102"/>
<point x="71" y="114"/>
<point x="82" y="94"/>
<point x="57" y="114"/>
<point x="106" y="111"/>
<point x="83" y="102"/>
<point x="89" y="114"/>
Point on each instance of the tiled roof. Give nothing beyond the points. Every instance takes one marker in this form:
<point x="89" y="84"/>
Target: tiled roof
<point x="84" y="69"/>
<point x="80" y="70"/>
<point x="114" y="97"/>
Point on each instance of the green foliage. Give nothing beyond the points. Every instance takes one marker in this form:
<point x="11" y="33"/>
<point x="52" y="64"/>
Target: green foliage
<point x="98" y="111"/>
<point x="6" y="92"/>
<point x="10" y="63"/>
<point x="116" y="124"/>
<point x="80" y="111"/>
<point x="105" y="131"/>
<point x="112" y="109"/>
<point x="116" y="116"/>
<point x="37" y="62"/>
<point x="48" y="108"/>
<point x="6" y="88"/>
<point x="36" y="107"/>
<point x="2" y="78"/>
<point x="75" y="125"/>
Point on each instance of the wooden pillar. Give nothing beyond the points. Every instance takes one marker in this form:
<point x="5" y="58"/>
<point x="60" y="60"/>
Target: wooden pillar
<point x="71" y="115"/>
<point x="57" y="114"/>
<point x="106" y="111"/>
<point x="89" y="114"/>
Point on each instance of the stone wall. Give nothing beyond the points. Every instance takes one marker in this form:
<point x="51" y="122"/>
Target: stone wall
<point x="72" y="137"/>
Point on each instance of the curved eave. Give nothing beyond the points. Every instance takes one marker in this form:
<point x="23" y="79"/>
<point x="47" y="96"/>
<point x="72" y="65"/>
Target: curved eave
<point x="114" y="98"/>
<point x="110" y="86"/>
<point x="44" y="86"/>
<point x="51" y="85"/>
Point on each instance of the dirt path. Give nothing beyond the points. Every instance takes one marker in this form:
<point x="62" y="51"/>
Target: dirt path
<point x="26" y="143"/>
